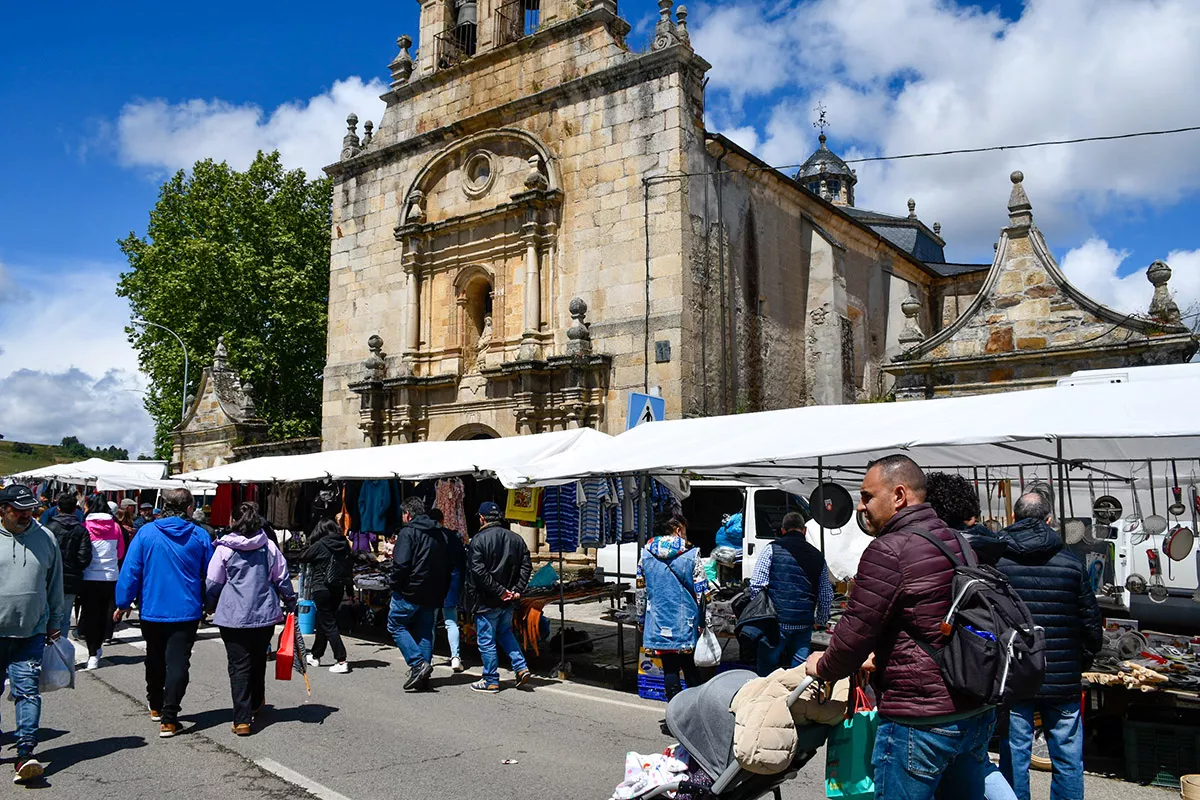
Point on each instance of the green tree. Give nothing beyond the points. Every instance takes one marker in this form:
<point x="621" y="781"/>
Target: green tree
<point x="239" y="254"/>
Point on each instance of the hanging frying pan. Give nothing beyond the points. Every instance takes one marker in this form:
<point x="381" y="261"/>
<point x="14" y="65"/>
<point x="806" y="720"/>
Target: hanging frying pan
<point x="1106" y="509"/>
<point x="1155" y="524"/>
<point x="1156" y="590"/>
<point x="861" y="519"/>
<point x="831" y="505"/>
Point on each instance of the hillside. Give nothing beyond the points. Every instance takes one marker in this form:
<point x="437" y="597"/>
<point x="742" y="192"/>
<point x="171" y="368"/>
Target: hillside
<point x="43" y="455"/>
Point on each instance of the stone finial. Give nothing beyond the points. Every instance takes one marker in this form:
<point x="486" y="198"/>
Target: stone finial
<point x="220" y="355"/>
<point x="579" y="335"/>
<point x="665" y="32"/>
<point x="607" y="5"/>
<point x="1020" y="212"/>
<point x="536" y="179"/>
<point x="911" y="333"/>
<point x="937" y="229"/>
<point x="912" y="208"/>
<point x="350" y="144"/>
<point x="247" y="401"/>
<point x="1162" y="305"/>
<point x="682" y="13"/>
<point x="402" y="65"/>
<point x="368" y="128"/>
<point x="416" y="212"/>
<point x="375" y="364"/>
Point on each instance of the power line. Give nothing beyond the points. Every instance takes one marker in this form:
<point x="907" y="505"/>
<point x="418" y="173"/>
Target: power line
<point x="1025" y="146"/>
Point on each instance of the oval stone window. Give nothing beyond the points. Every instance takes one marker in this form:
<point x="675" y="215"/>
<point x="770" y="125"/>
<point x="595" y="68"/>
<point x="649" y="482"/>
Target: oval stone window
<point x="480" y="173"/>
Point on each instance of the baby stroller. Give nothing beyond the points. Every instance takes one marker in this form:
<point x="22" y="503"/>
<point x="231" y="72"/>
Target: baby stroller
<point x="702" y="722"/>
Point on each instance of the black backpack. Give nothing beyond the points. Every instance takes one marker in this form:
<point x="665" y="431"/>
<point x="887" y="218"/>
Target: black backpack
<point x="993" y="652"/>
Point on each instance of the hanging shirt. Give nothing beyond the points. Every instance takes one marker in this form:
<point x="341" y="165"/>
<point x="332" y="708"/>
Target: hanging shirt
<point x="593" y="501"/>
<point x="373" y="503"/>
<point x="560" y="513"/>
<point x="450" y="493"/>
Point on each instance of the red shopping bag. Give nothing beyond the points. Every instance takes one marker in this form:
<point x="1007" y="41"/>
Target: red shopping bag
<point x="285" y="654"/>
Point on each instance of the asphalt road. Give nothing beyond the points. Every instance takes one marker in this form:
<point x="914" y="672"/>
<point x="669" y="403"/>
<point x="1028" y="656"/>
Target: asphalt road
<point x="360" y="738"/>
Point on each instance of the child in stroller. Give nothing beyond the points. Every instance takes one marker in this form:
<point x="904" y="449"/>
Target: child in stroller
<point x="702" y="722"/>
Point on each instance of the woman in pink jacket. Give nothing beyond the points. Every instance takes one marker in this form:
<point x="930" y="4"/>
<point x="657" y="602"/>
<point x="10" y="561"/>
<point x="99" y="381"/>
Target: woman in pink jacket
<point x="97" y="591"/>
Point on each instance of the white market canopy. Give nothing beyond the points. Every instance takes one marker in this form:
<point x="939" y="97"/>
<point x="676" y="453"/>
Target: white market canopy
<point x="1115" y="424"/>
<point x="414" y="461"/>
<point x="112" y="476"/>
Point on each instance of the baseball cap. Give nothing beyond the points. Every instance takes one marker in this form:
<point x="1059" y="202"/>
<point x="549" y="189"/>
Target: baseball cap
<point x="489" y="509"/>
<point x="146" y="506"/>
<point x="19" y="497"/>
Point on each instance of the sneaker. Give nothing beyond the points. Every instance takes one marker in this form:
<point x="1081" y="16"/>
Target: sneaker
<point x="484" y="686"/>
<point x="523" y="676"/>
<point x="168" y="729"/>
<point x="418" y="675"/>
<point x="340" y="668"/>
<point x="456" y="664"/>
<point x="241" y="729"/>
<point x="28" y="769"/>
<point x="313" y="662"/>
<point x="155" y="716"/>
<point x="93" y="662"/>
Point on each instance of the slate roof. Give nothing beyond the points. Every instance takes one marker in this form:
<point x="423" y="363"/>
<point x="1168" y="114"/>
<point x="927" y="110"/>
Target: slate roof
<point x="823" y="162"/>
<point x="945" y="269"/>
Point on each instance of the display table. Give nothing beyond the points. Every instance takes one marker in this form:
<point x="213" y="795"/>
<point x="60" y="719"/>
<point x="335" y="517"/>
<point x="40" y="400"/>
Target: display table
<point x="527" y="616"/>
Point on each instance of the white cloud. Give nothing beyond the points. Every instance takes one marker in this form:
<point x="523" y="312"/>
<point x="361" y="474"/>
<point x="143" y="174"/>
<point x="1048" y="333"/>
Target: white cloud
<point x="904" y="76"/>
<point x="171" y="136"/>
<point x="38" y="406"/>
<point x="64" y="328"/>
<point x="1095" y="267"/>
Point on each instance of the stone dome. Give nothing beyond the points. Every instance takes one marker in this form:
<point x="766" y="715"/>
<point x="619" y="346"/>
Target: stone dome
<point x="824" y="162"/>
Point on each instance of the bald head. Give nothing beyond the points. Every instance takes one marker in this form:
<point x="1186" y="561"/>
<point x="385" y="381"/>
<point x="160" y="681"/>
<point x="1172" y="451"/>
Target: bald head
<point x="891" y="484"/>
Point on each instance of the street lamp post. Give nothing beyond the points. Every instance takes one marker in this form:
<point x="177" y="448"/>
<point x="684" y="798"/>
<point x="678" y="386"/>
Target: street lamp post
<point x="183" y="401"/>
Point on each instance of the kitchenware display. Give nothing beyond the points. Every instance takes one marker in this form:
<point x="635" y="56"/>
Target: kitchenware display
<point x="1155" y="524"/>
<point x="1179" y="543"/>
<point x="831" y="505"/>
<point x="1075" y="529"/>
<point x="1135" y="583"/>
<point x="1177" y="508"/>
<point x="861" y="519"/>
<point x="1156" y="590"/>
<point x="1134" y="525"/>
<point x="991" y="523"/>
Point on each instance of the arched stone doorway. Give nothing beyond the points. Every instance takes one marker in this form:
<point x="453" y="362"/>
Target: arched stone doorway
<point x="472" y="431"/>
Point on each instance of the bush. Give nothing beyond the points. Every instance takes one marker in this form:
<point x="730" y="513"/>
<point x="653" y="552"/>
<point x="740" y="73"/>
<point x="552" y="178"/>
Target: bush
<point x="23" y="449"/>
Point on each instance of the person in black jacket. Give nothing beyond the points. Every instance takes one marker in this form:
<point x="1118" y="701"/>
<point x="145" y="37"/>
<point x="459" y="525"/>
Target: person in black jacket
<point x="498" y="570"/>
<point x="421" y="567"/>
<point x="1054" y="584"/>
<point x="75" y="544"/>
<point x="331" y="574"/>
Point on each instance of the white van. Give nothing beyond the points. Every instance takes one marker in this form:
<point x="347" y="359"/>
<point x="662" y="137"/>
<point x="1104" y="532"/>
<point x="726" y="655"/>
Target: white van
<point x="762" y="508"/>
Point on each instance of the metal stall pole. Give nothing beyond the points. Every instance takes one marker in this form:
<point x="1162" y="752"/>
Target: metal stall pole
<point x="1062" y="490"/>
<point x="820" y="480"/>
<point x="562" y="612"/>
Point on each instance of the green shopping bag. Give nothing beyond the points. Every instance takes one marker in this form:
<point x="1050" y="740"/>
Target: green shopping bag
<point x="848" y="771"/>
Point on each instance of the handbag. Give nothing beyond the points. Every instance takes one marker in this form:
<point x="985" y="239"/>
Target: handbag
<point x="285" y="654"/>
<point x="849" y="774"/>
<point x="708" y="649"/>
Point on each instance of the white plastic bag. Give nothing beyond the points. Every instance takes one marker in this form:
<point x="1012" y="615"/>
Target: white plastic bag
<point x="58" y="666"/>
<point x="708" y="649"/>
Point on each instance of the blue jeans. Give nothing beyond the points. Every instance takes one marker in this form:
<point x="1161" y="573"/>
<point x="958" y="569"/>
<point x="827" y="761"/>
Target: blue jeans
<point x="789" y="650"/>
<point x="912" y="761"/>
<point x="450" y="617"/>
<point x="411" y="628"/>
<point x="493" y="627"/>
<point x="1063" y="724"/>
<point x="21" y="659"/>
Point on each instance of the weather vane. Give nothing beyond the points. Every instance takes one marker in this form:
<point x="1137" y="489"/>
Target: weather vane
<point x="821" y="124"/>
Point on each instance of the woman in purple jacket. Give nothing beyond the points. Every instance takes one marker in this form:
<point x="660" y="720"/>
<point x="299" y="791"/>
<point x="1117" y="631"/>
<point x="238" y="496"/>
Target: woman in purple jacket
<point x="246" y="584"/>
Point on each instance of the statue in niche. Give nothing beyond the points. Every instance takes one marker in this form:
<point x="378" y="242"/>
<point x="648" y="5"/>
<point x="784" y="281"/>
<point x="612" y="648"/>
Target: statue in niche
<point x="485" y="340"/>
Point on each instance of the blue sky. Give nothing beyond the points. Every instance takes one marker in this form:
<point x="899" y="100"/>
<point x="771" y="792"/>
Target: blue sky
<point x="103" y="101"/>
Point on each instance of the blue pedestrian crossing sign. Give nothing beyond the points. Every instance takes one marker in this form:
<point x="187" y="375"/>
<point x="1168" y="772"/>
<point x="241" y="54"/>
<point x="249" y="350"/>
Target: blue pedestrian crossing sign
<point x="644" y="408"/>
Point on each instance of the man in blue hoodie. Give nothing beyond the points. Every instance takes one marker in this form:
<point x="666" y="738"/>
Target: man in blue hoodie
<point x="164" y="572"/>
<point x="31" y="612"/>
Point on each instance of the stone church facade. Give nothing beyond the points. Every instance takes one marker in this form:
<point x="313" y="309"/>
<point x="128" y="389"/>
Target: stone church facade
<point x="540" y="223"/>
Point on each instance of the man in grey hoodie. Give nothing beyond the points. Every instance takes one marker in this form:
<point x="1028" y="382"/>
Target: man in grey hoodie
<point x="31" y="613"/>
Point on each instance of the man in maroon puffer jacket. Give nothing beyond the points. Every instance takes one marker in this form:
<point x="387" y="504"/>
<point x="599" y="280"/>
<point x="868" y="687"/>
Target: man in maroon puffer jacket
<point x="928" y="736"/>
